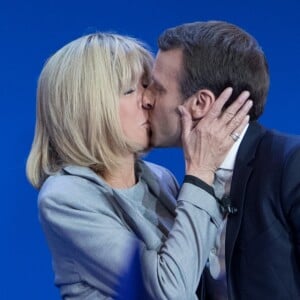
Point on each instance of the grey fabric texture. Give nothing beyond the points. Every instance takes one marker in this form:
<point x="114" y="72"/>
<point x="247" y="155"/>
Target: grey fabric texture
<point x="91" y="230"/>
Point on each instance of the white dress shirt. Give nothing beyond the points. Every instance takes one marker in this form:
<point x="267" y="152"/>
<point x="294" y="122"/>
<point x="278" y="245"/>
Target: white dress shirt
<point x="217" y="285"/>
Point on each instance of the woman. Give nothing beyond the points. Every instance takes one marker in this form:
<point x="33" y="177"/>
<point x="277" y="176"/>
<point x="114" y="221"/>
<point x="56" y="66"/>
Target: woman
<point x="97" y="199"/>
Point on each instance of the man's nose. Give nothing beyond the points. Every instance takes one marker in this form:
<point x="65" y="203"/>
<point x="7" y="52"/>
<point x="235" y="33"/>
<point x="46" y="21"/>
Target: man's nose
<point x="147" y="100"/>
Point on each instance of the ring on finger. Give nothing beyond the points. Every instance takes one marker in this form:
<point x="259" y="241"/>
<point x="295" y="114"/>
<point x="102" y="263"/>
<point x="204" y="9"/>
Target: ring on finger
<point x="235" y="136"/>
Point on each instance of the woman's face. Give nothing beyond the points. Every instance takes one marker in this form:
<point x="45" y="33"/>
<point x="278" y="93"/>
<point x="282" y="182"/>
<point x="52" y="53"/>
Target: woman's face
<point x="134" y="119"/>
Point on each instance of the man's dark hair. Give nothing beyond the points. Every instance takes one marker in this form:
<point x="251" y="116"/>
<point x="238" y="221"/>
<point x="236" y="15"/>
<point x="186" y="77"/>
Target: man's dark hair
<point x="217" y="55"/>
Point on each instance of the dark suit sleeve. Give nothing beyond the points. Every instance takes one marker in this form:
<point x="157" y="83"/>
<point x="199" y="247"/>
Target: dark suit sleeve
<point x="291" y="196"/>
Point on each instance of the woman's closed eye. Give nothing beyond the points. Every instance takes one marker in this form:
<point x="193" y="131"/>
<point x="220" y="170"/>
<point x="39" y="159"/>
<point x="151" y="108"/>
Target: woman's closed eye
<point x="129" y="91"/>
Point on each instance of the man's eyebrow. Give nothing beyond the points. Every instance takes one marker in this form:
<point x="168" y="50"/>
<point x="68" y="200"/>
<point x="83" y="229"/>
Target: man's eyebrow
<point x="157" y="84"/>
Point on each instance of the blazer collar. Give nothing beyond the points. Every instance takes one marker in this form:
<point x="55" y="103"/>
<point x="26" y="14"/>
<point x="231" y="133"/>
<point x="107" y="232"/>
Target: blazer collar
<point x="241" y="174"/>
<point x="85" y="172"/>
<point x="252" y="138"/>
<point x="130" y="215"/>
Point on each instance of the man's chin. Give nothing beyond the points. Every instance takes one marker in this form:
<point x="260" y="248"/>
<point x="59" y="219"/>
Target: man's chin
<point x="154" y="143"/>
<point x="164" y="144"/>
<point x="161" y="142"/>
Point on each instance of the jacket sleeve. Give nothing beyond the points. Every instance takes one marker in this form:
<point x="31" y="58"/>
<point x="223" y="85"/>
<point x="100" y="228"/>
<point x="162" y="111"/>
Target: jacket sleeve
<point x="181" y="259"/>
<point x="99" y="244"/>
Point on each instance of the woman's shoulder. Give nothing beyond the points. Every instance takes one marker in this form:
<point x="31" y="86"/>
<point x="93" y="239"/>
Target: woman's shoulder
<point x="76" y="187"/>
<point x="69" y="179"/>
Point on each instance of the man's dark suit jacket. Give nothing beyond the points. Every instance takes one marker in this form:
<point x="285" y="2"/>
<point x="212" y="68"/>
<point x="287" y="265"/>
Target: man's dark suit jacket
<point x="263" y="237"/>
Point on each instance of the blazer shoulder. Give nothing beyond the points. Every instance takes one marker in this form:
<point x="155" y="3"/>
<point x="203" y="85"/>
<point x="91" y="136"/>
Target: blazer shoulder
<point x="287" y="144"/>
<point x="73" y="191"/>
<point x="62" y="184"/>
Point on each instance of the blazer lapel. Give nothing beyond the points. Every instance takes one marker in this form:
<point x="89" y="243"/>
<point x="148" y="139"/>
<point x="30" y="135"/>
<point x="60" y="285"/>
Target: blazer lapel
<point x="242" y="171"/>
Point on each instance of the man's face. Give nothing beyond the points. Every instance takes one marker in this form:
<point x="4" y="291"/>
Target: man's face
<point x="164" y="96"/>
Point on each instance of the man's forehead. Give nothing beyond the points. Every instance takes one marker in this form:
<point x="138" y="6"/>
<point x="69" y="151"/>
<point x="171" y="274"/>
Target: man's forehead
<point x="167" y="64"/>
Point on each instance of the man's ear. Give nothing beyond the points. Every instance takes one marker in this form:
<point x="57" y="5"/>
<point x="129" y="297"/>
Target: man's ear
<point x="199" y="103"/>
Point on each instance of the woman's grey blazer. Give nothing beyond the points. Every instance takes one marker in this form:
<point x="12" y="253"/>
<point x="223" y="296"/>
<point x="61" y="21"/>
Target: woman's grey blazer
<point x="91" y="232"/>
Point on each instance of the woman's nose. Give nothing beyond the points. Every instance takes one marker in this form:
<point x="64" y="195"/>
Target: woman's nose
<point x="147" y="100"/>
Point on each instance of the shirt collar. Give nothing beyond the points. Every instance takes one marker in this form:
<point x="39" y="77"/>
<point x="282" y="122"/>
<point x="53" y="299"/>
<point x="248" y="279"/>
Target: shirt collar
<point x="229" y="160"/>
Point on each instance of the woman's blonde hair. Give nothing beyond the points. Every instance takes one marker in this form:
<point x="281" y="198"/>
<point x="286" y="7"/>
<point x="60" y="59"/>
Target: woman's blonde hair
<point x="77" y="118"/>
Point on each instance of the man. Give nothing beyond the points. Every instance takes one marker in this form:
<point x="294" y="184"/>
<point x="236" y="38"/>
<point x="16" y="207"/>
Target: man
<point x="194" y="64"/>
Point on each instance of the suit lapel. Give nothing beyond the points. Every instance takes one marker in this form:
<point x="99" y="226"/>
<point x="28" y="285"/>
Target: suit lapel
<point x="241" y="174"/>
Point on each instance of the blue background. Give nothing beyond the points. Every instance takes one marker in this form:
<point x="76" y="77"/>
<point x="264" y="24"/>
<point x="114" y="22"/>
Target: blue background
<point x="32" y="30"/>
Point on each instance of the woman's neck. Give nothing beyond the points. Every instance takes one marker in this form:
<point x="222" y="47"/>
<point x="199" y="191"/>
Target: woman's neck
<point x="124" y="176"/>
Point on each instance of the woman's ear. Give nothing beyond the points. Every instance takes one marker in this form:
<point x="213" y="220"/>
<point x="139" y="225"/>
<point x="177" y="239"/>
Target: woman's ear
<point x="199" y="103"/>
